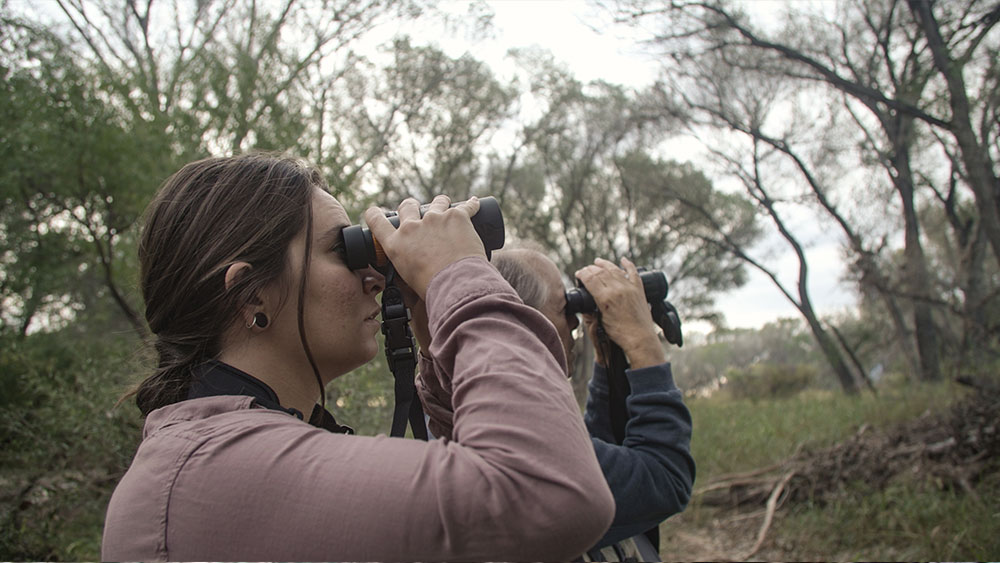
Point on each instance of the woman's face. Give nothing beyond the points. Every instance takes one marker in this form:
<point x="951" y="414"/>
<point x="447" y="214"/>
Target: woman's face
<point x="340" y="313"/>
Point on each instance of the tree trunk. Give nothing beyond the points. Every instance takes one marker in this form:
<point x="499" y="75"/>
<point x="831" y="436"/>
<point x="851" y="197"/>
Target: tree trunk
<point x="917" y="277"/>
<point x="975" y="155"/>
<point x="975" y="323"/>
<point x="872" y="277"/>
<point x="832" y="353"/>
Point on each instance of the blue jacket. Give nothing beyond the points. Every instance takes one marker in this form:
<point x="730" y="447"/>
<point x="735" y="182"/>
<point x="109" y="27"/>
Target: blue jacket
<point x="651" y="474"/>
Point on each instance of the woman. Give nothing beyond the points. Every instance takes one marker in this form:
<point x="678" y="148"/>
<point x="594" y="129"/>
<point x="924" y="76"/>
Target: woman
<point x="255" y="311"/>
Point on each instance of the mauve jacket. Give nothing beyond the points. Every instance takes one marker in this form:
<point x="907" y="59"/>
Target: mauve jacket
<point x="222" y="479"/>
<point x="650" y="474"/>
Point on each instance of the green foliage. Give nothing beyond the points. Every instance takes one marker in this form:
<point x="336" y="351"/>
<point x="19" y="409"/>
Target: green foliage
<point x="75" y="174"/>
<point x="439" y="115"/>
<point x="584" y="183"/>
<point x="63" y="442"/>
<point x="701" y="368"/>
<point x="769" y="380"/>
<point x="781" y="357"/>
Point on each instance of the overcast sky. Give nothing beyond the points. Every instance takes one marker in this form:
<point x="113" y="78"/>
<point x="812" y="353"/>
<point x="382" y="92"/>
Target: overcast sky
<point x="561" y="26"/>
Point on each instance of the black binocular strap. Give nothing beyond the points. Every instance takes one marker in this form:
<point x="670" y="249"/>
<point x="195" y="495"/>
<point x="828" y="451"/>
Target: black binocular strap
<point x="618" y="392"/>
<point x="618" y="386"/>
<point x="408" y="407"/>
<point x="401" y="353"/>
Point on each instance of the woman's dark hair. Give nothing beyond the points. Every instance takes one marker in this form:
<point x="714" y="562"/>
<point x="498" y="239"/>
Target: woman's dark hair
<point x="207" y="216"/>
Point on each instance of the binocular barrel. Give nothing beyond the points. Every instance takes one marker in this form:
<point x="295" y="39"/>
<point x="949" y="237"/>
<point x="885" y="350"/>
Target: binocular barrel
<point x="362" y="249"/>
<point x="579" y="300"/>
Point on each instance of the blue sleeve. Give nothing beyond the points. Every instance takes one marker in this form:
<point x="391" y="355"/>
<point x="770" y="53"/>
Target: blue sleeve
<point x="652" y="473"/>
<point x="597" y="416"/>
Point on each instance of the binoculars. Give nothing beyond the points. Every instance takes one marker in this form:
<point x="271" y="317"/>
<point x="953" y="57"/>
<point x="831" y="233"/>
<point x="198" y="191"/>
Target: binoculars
<point x="362" y="249"/>
<point x="654" y="284"/>
<point x="579" y="300"/>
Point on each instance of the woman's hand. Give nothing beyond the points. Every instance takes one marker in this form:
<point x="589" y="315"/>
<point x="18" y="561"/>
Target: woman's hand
<point x="625" y="314"/>
<point x="422" y="247"/>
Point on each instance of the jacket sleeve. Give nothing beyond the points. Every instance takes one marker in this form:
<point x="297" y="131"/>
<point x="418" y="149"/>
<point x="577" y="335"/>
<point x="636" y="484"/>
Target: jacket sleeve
<point x="597" y="415"/>
<point x="435" y="396"/>
<point x="520" y="456"/>
<point x="652" y="473"/>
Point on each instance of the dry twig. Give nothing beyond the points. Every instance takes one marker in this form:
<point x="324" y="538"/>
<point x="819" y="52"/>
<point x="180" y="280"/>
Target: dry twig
<point x="772" y="505"/>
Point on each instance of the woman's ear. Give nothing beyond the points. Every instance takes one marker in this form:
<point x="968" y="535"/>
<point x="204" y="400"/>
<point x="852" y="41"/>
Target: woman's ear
<point x="250" y="311"/>
<point x="234" y="271"/>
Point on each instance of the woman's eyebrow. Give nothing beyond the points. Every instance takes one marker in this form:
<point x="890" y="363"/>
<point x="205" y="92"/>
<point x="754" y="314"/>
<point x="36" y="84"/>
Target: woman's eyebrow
<point x="333" y="234"/>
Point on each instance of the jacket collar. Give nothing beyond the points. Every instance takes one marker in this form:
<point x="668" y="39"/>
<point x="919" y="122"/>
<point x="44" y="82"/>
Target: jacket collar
<point x="215" y="378"/>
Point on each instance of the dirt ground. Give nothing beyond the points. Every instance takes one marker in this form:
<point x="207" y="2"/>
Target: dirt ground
<point x="726" y="537"/>
<point x="682" y="540"/>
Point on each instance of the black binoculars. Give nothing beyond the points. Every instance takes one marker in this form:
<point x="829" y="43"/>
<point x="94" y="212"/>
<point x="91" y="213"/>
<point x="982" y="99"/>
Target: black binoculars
<point x="654" y="284"/>
<point x="362" y="249"/>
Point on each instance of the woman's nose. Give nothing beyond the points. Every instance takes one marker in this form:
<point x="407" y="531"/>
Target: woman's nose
<point x="371" y="280"/>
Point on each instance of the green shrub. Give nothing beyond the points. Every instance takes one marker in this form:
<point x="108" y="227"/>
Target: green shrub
<point x="767" y="380"/>
<point x="63" y="442"/>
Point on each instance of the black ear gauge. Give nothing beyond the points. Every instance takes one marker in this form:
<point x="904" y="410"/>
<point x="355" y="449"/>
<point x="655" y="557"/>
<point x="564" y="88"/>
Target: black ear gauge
<point x="260" y="320"/>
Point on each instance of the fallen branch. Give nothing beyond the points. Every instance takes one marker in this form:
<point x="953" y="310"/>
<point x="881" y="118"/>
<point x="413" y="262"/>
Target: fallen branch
<point x="746" y="516"/>
<point x="772" y="505"/>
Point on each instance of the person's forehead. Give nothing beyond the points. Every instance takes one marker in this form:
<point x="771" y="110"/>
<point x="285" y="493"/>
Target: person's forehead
<point x="328" y="212"/>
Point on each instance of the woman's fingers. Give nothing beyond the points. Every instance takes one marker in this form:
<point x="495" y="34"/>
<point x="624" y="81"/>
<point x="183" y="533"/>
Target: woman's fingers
<point x="423" y="246"/>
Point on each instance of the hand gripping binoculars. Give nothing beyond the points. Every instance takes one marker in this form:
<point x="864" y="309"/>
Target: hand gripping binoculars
<point x="362" y="249"/>
<point x="654" y="284"/>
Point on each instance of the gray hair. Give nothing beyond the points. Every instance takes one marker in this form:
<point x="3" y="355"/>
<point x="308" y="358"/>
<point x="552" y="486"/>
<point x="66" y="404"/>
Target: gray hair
<point x="516" y="266"/>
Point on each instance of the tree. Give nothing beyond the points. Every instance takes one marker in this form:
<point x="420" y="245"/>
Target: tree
<point x="75" y="176"/>
<point x="958" y="38"/>
<point x="780" y="356"/>
<point x="112" y="97"/>
<point x="436" y="116"/>
<point x="714" y="93"/>
<point x="222" y="74"/>
<point x="583" y="182"/>
<point x="875" y="55"/>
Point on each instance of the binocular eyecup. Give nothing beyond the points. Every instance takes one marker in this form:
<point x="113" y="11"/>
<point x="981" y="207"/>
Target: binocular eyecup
<point x="362" y="249"/>
<point x="654" y="284"/>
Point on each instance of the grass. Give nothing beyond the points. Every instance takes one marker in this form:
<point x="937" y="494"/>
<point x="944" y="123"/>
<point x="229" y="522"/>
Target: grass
<point x="737" y="435"/>
<point x="912" y="519"/>
<point x="906" y="522"/>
